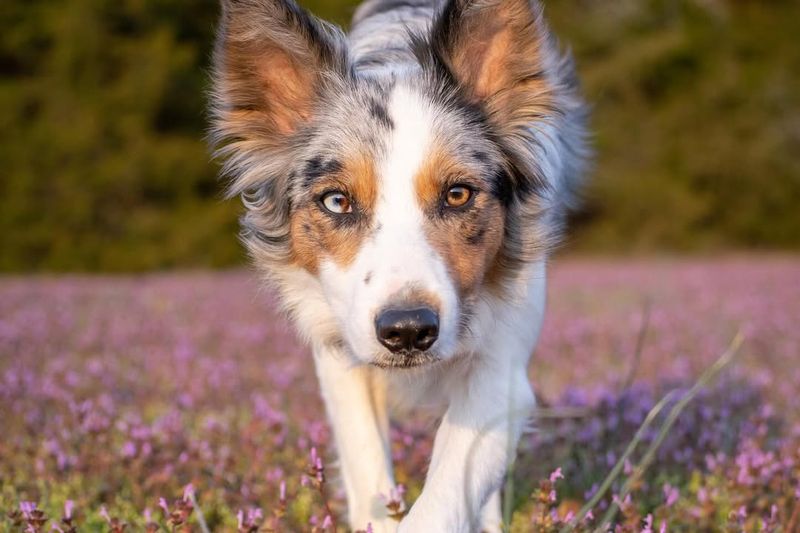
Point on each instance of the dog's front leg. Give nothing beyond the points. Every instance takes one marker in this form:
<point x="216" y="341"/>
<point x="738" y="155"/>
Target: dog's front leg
<point x="473" y="447"/>
<point x="356" y="404"/>
<point x="489" y="405"/>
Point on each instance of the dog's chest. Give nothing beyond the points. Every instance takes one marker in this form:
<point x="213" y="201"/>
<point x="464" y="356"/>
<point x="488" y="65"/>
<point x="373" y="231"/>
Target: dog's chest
<point x="424" y="391"/>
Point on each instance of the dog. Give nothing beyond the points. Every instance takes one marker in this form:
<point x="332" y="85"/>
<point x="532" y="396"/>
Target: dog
<point x="404" y="185"/>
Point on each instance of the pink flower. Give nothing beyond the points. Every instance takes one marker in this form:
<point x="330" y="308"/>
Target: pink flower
<point x="69" y="507"/>
<point x="648" y="524"/>
<point x="188" y="493"/>
<point x="627" y="467"/>
<point x="104" y="513"/>
<point x="328" y="522"/>
<point x="671" y="495"/>
<point x="556" y="475"/>
<point x="27" y="508"/>
<point x="129" y="449"/>
<point x="163" y="504"/>
<point x="314" y="456"/>
<point x="742" y="512"/>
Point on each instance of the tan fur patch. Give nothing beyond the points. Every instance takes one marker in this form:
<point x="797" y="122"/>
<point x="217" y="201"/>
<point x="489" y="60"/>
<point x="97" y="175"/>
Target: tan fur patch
<point x="468" y="239"/>
<point x="316" y="234"/>
<point x="288" y="89"/>
<point x="499" y="59"/>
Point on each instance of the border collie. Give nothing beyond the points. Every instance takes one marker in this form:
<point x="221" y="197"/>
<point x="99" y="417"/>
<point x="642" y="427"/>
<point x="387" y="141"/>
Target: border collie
<point x="404" y="185"/>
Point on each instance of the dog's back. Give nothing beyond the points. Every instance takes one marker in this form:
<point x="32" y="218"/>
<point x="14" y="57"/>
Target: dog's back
<point x="380" y="33"/>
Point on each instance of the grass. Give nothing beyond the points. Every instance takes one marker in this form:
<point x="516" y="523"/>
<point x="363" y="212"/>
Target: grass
<point x="135" y="402"/>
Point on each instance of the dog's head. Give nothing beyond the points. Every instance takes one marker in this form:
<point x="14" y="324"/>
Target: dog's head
<point x="407" y="196"/>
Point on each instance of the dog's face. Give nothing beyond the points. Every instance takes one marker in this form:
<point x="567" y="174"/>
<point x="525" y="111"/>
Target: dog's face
<point x="406" y="196"/>
<point x="399" y="209"/>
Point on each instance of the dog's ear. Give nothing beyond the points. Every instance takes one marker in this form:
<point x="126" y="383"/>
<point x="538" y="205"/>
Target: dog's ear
<point x="271" y="64"/>
<point x="497" y="51"/>
<point x="502" y="58"/>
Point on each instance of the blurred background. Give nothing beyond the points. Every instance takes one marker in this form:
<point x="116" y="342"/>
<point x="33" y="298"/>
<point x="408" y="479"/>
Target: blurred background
<point x="104" y="165"/>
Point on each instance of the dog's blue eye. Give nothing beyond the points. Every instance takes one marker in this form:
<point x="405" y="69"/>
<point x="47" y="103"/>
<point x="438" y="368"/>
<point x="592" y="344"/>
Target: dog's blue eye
<point x="337" y="202"/>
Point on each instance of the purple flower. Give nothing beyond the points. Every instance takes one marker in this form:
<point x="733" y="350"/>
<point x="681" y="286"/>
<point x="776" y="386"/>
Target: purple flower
<point x="164" y="507"/>
<point x="254" y="515"/>
<point x="671" y="495"/>
<point x="27" y="508"/>
<point x="188" y="493"/>
<point x="129" y="449"/>
<point x="69" y="507"/>
<point x="648" y="524"/>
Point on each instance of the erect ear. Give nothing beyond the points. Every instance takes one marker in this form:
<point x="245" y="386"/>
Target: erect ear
<point x="271" y="63"/>
<point x="498" y="51"/>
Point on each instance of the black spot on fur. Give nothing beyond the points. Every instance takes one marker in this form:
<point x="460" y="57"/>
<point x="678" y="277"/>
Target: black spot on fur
<point x="524" y="185"/>
<point x="481" y="157"/>
<point x="379" y="113"/>
<point x="368" y="278"/>
<point x="316" y="167"/>
<point x="502" y="186"/>
<point x="477" y="238"/>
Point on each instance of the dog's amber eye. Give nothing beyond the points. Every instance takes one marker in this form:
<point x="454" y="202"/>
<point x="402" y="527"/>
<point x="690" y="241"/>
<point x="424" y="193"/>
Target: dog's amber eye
<point x="337" y="202"/>
<point x="458" y="196"/>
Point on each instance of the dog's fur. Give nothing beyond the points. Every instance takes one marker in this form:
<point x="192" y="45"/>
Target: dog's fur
<point x="420" y="97"/>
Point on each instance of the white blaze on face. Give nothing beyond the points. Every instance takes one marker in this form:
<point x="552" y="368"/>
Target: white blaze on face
<point x="397" y="256"/>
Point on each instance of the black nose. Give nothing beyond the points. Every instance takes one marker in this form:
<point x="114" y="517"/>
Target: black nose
<point x="407" y="329"/>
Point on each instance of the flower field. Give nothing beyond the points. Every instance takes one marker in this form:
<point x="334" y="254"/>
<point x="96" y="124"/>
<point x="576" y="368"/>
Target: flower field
<point x="184" y="402"/>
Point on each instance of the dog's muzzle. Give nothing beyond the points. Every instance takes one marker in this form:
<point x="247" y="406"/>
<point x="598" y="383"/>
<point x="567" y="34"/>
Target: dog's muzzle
<point x="407" y="330"/>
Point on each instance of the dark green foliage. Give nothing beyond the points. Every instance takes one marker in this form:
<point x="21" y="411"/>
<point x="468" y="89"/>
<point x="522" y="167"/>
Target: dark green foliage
<point x="102" y="150"/>
<point x="697" y="122"/>
<point x="104" y="165"/>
